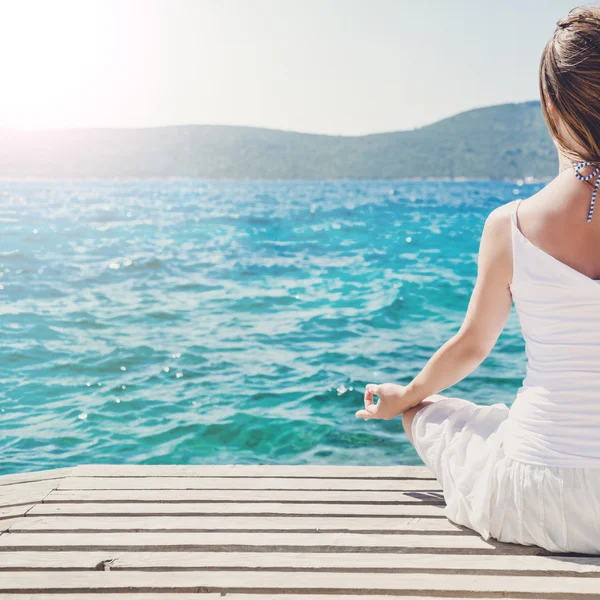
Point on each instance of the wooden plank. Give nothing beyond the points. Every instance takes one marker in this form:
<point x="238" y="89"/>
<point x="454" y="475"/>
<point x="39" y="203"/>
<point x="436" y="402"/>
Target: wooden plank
<point x="33" y="476"/>
<point x="246" y="483"/>
<point x="6" y="524"/>
<point x="19" y="494"/>
<point x="286" y="471"/>
<point x="219" y="596"/>
<point x="241" y="523"/>
<point x="335" y="496"/>
<point x="297" y="582"/>
<point x="295" y="561"/>
<point x="266" y="541"/>
<point x="245" y="508"/>
<point x="14" y="511"/>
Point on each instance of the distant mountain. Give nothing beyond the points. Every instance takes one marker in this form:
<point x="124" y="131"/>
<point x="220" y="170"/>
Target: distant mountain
<point x="509" y="141"/>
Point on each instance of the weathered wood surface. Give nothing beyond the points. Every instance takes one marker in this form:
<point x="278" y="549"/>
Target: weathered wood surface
<point x="243" y="495"/>
<point x="259" y="532"/>
<point x="235" y="523"/>
<point x="154" y="508"/>
<point x="229" y="596"/>
<point x="247" y="483"/>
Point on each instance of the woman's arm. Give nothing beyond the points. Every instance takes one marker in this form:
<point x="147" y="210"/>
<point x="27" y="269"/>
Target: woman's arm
<point x="486" y="316"/>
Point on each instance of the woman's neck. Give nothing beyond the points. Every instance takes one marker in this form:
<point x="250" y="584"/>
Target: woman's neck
<point x="563" y="162"/>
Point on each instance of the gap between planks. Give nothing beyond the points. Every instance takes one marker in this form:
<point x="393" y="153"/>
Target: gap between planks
<point x="237" y="496"/>
<point x="236" y="596"/>
<point x="34" y="476"/>
<point x="23" y="494"/>
<point x="265" y="542"/>
<point x="251" y="509"/>
<point x="306" y="484"/>
<point x="301" y="582"/>
<point x="294" y="561"/>
<point x="367" y="524"/>
<point x="219" y="596"/>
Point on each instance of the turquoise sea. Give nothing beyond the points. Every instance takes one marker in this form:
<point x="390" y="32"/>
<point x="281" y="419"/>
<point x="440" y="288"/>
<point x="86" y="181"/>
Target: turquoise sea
<point x="186" y="321"/>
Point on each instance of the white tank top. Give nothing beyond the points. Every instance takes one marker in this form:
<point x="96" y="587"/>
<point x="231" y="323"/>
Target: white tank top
<point x="555" y="418"/>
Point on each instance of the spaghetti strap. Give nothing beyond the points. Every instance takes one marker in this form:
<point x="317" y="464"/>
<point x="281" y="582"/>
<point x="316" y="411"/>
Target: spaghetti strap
<point x="515" y="235"/>
<point x="518" y="203"/>
<point x="516" y="213"/>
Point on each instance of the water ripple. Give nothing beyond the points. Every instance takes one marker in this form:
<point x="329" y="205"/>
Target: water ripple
<point x="230" y="322"/>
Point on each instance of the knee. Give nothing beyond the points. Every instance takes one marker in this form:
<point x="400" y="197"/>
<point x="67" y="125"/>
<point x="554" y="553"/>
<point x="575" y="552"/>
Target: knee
<point x="407" y="420"/>
<point x="409" y="415"/>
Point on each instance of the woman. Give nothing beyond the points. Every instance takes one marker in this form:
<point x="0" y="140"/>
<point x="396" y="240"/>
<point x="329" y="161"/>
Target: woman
<point x="529" y="474"/>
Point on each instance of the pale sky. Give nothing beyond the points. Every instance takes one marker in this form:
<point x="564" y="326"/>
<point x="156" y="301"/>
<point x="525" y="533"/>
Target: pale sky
<point x="326" y="66"/>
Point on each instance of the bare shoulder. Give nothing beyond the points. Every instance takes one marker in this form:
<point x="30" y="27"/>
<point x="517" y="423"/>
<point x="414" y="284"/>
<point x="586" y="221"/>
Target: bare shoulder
<point x="495" y="250"/>
<point x="497" y="223"/>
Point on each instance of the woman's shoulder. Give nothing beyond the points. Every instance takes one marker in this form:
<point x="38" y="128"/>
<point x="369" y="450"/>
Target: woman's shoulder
<point x="498" y="221"/>
<point x="496" y="239"/>
<point x="544" y="203"/>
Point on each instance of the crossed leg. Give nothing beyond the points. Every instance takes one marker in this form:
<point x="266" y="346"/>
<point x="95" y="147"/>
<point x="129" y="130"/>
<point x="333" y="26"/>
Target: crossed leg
<point x="409" y="415"/>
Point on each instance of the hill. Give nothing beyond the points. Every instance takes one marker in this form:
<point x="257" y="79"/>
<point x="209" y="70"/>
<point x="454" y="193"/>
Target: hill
<point x="508" y="141"/>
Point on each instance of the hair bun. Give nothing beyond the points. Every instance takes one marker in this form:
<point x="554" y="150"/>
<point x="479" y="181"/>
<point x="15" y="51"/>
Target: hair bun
<point x="581" y="15"/>
<point x="585" y="22"/>
<point x="570" y="84"/>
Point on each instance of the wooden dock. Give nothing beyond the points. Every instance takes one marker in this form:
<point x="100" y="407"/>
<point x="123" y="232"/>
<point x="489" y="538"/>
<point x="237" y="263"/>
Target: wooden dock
<point x="258" y="532"/>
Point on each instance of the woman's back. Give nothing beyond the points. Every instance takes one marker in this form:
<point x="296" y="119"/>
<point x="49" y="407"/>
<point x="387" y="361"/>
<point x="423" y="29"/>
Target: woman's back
<point x="555" y="418"/>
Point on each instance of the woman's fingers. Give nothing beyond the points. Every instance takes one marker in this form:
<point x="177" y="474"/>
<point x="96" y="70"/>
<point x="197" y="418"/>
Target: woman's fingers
<point x="368" y="413"/>
<point x="368" y="398"/>
<point x="372" y="388"/>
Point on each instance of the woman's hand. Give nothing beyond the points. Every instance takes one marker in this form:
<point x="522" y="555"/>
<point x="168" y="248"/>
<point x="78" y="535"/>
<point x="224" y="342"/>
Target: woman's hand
<point x="393" y="400"/>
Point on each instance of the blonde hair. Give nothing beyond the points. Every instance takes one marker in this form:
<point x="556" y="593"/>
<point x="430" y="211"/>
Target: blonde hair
<point x="569" y="79"/>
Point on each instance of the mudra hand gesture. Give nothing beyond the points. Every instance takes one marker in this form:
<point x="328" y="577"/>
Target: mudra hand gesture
<point x="392" y="401"/>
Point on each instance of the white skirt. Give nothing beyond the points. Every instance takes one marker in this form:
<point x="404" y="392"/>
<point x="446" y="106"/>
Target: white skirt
<point x="556" y="508"/>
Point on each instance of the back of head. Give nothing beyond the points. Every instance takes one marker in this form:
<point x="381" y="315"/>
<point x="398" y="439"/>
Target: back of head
<point x="570" y="84"/>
